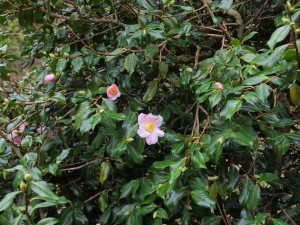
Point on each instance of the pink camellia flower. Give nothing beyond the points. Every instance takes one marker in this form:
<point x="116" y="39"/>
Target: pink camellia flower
<point x="113" y="92"/>
<point x="149" y="128"/>
<point x="14" y="135"/>
<point x="220" y="86"/>
<point x="41" y="129"/>
<point x="50" y="78"/>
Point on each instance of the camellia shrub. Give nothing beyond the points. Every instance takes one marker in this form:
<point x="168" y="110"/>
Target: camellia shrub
<point x="145" y="112"/>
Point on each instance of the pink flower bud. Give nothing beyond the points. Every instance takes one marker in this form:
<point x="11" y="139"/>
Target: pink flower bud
<point x="50" y="78"/>
<point x="220" y="86"/>
<point x="113" y="92"/>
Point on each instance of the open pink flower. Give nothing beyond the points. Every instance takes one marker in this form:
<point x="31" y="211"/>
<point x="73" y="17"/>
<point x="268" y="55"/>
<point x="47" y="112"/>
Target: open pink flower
<point x="50" y="78"/>
<point x="220" y="86"/>
<point x="15" y="134"/>
<point x="113" y="92"/>
<point x="149" y="128"/>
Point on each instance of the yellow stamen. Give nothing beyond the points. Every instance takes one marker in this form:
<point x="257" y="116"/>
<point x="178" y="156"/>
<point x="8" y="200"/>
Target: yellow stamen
<point x="113" y="90"/>
<point x="149" y="127"/>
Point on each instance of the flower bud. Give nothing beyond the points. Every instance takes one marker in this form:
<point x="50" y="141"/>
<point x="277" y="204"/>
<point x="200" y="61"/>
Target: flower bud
<point x="50" y="78"/>
<point x="285" y="21"/>
<point x="27" y="177"/>
<point x="22" y="186"/>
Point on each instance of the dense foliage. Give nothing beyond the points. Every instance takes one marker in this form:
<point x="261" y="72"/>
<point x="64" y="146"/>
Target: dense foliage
<point x="77" y="149"/>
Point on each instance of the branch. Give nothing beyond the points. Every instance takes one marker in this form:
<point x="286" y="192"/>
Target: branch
<point x="230" y="12"/>
<point x="90" y="20"/>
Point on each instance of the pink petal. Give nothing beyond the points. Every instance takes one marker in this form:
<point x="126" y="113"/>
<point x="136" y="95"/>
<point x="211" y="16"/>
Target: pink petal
<point x="159" y="132"/>
<point x="142" y="132"/>
<point x="17" y="140"/>
<point x="10" y="136"/>
<point x="142" y="119"/>
<point x="152" y="139"/>
<point x="22" y="127"/>
<point x="158" y="121"/>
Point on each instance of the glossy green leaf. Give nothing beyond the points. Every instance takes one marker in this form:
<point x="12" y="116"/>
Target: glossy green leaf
<point x="131" y="62"/>
<point x="163" y="69"/>
<point x="48" y="221"/>
<point x="278" y="35"/>
<point x="61" y="65"/>
<point x="115" y="116"/>
<point x="103" y="201"/>
<point x="8" y="200"/>
<point x="215" y="98"/>
<point x="77" y="64"/>
<point x="231" y="107"/>
<point x="151" y="91"/>
<point x="278" y="222"/>
<point x="203" y="198"/>
<point x="198" y="160"/>
<point x="151" y="51"/>
<point x="105" y="168"/>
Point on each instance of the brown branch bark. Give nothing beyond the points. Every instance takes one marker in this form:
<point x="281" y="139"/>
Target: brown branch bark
<point x="236" y="15"/>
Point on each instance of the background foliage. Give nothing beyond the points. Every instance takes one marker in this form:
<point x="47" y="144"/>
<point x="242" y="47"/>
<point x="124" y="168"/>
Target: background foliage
<point x="229" y="155"/>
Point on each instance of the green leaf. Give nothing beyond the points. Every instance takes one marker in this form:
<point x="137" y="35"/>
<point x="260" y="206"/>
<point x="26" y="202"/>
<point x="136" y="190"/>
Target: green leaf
<point x="157" y="34"/>
<point x="42" y="205"/>
<point x="134" y="154"/>
<point x="177" y="148"/>
<point x="278" y="35"/>
<point x="263" y="92"/>
<point x="66" y="216"/>
<point x="130" y="187"/>
<point x="113" y="55"/>
<point x="275" y="56"/>
<point x="198" y="160"/>
<point x="255" y="80"/>
<point x="95" y="120"/>
<point x="59" y="98"/>
<point x="105" y="168"/>
<point x="161" y="213"/>
<point x="250" y="196"/>
<point x="18" y="220"/>
<point x="163" y="69"/>
<point x="162" y="164"/>
<point x="215" y="98"/>
<point x="41" y="188"/>
<point x="231" y="107"/>
<point x="77" y="64"/>
<point x="203" y="198"/>
<point x="2" y="145"/>
<point x="254" y="198"/>
<point x="8" y="200"/>
<point x="151" y="51"/>
<point x="115" y="116"/>
<point x="151" y="91"/>
<point x="249" y="36"/>
<point x="130" y="63"/>
<point x="27" y="142"/>
<point x="146" y="4"/>
<point x="103" y="201"/>
<point x="61" y="65"/>
<point x="225" y="5"/>
<point x="48" y="221"/>
<point x="283" y="144"/>
<point x="211" y="220"/>
<point x="233" y="178"/>
<point x="278" y="222"/>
